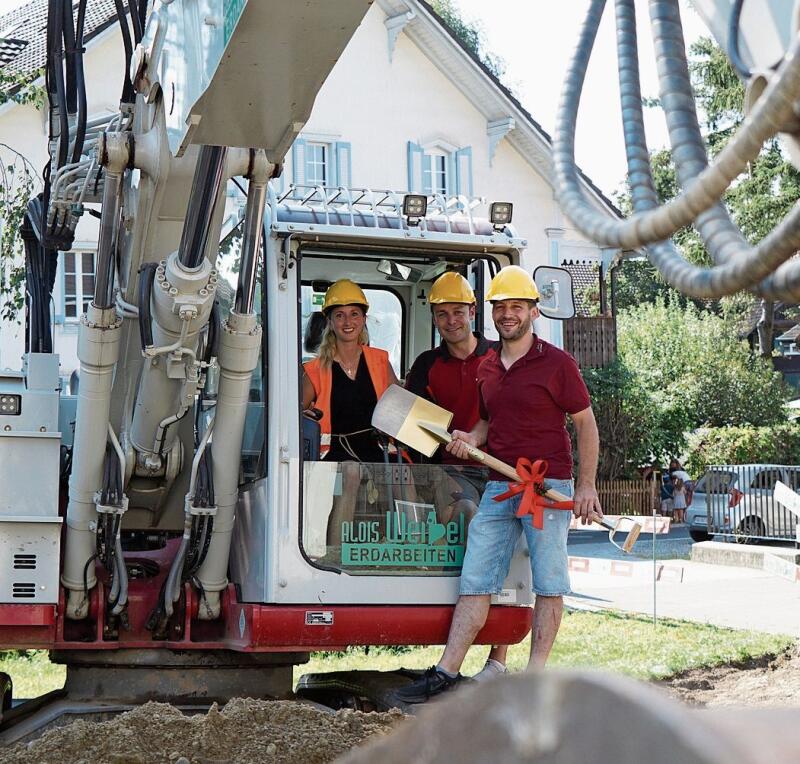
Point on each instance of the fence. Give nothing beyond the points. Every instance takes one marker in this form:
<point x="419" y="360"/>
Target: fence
<point x="591" y="340"/>
<point x="628" y="497"/>
<point x="740" y="501"/>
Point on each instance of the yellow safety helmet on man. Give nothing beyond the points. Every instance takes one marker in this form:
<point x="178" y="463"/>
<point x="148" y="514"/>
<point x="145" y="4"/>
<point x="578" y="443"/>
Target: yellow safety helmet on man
<point x="512" y="283"/>
<point x="451" y="287"/>
<point x="344" y="292"/>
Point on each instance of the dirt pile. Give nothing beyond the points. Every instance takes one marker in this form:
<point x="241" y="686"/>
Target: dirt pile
<point x="244" y="731"/>
<point x="763" y="682"/>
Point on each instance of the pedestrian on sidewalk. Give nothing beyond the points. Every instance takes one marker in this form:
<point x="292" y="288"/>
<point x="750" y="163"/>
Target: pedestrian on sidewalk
<point x="679" y="500"/>
<point x="666" y="495"/>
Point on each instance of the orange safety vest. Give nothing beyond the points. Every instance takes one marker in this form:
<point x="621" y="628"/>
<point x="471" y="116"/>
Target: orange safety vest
<point x="322" y="379"/>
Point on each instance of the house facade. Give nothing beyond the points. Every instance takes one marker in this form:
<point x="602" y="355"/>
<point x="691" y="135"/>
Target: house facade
<point x="405" y="108"/>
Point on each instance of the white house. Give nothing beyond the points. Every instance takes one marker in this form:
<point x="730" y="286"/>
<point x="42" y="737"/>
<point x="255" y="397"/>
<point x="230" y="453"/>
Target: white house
<point x="406" y="107"/>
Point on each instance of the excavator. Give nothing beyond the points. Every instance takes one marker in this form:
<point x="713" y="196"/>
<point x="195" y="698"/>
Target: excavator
<point x="164" y="529"/>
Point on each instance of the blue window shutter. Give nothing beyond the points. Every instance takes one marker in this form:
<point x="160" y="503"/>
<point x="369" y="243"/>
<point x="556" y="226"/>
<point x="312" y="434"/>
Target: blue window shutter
<point x="343" y="164"/>
<point x="415" y="174"/>
<point x="463" y="175"/>
<point x="299" y="162"/>
<point x="452" y="175"/>
<point x="58" y="308"/>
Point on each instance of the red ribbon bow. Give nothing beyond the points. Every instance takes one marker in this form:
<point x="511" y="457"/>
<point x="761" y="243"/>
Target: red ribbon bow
<point x="531" y="486"/>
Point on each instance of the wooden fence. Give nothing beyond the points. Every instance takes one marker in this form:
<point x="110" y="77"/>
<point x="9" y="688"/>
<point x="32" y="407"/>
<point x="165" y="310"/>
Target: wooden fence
<point x="592" y="340"/>
<point x="628" y="497"/>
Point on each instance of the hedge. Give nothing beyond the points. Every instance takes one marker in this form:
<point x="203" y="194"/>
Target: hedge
<point x="777" y="444"/>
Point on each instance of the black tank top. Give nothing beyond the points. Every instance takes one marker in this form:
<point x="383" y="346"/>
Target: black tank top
<point x="352" y="404"/>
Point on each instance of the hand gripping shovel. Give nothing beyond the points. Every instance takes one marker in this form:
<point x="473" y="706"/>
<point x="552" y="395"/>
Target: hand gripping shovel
<point x="422" y="425"/>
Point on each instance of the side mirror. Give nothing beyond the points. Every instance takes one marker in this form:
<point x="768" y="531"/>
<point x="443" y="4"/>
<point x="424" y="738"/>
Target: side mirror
<point x="556" y="298"/>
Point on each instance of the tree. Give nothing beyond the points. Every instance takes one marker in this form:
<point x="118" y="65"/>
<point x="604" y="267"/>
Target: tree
<point x="471" y="34"/>
<point x="17" y="183"/>
<point x="692" y="365"/>
<point x="634" y="429"/>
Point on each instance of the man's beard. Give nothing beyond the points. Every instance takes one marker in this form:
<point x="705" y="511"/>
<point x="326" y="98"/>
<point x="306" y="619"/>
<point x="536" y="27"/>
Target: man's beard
<point x="523" y="328"/>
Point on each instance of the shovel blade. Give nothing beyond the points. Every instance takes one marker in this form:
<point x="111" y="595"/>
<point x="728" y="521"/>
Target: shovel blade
<point x="398" y="414"/>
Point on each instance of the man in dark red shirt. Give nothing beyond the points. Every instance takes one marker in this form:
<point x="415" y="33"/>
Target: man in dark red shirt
<point x="447" y="375"/>
<point x="527" y="388"/>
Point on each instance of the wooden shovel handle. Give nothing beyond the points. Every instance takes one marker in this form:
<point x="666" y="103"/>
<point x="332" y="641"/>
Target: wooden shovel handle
<point x="509" y="472"/>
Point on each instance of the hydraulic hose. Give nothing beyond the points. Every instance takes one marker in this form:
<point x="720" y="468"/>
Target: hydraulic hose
<point x="147" y="274"/>
<point x="136" y="20"/>
<point x="68" y="33"/>
<point x="772" y="110"/>
<point x="80" y="82"/>
<point x="127" y="86"/>
<point x="741" y="273"/>
<point x="743" y="267"/>
<point x="722" y="237"/>
<point x="56" y="70"/>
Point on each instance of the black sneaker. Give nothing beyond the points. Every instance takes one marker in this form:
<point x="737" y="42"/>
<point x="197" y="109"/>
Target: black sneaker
<point x="432" y="682"/>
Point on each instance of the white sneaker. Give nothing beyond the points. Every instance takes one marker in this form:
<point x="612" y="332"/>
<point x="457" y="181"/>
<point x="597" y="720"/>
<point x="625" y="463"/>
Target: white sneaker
<point x="491" y="670"/>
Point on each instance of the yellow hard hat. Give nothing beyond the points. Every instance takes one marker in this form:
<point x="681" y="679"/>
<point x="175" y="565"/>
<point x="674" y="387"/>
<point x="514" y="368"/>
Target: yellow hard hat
<point x="512" y="283"/>
<point x="344" y="292"/>
<point x="451" y="287"/>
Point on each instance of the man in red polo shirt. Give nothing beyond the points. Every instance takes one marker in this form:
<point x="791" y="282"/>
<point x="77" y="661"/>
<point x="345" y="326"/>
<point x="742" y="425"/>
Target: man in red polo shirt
<point x="527" y="388"/>
<point x="447" y="375"/>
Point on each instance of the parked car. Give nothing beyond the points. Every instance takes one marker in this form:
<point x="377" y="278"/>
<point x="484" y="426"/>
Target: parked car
<point x="738" y="500"/>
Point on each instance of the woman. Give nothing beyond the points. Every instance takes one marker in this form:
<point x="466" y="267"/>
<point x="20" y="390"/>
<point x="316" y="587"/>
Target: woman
<point x="347" y="378"/>
<point x="344" y="382"/>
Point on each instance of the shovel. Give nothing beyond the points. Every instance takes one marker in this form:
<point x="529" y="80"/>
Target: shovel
<point x="443" y="436"/>
<point x="422" y="425"/>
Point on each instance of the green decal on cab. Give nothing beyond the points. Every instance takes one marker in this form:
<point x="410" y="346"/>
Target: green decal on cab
<point x="400" y="542"/>
<point x="232" y="10"/>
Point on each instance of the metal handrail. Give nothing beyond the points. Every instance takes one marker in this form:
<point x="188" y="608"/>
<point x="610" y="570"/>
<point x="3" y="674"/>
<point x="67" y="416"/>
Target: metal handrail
<point x="384" y="202"/>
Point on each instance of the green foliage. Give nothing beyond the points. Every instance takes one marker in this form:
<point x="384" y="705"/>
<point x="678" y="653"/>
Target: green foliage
<point x="718" y="90"/>
<point x="693" y="366"/>
<point x="778" y="444"/>
<point x="17" y="183"/>
<point x="16" y="187"/>
<point x="624" y="419"/>
<point x="471" y="34"/>
<point x="22" y="88"/>
<point x="637" y="282"/>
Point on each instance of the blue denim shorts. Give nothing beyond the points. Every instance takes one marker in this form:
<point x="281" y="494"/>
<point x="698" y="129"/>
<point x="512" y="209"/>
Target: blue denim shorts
<point x="493" y="534"/>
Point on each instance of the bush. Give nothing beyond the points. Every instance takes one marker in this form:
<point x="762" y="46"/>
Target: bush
<point x="634" y="429"/>
<point x="743" y="445"/>
<point x="690" y="361"/>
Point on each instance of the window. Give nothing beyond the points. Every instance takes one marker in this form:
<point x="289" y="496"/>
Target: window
<point x="317" y="164"/>
<point x="384" y="323"/>
<point x="766" y="479"/>
<point x="439" y="168"/>
<point x="434" y="171"/>
<point x="321" y="163"/>
<point x="79" y="272"/>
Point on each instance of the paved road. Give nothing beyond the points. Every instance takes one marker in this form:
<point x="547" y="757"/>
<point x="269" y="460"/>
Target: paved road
<point x="741" y="598"/>
<point x="594" y="543"/>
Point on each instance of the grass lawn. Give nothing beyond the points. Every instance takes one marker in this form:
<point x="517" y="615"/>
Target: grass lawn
<point x="621" y="643"/>
<point x="625" y="644"/>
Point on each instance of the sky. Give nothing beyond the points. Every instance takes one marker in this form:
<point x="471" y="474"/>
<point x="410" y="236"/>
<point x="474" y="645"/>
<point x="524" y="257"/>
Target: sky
<point x="536" y="39"/>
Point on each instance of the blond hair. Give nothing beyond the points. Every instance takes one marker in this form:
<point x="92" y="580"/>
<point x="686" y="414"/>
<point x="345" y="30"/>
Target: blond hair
<point x="327" y="347"/>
